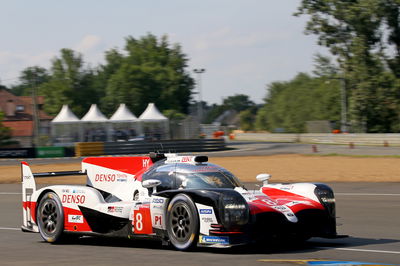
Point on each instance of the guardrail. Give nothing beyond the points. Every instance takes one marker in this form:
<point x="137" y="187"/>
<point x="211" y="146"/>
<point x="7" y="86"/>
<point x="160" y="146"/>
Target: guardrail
<point x="390" y="139"/>
<point x="139" y="147"/>
<point x="116" y="148"/>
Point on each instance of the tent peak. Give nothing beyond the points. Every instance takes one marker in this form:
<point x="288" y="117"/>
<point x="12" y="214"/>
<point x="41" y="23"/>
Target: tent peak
<point x="94" y="115"/>
<point x="65" y="116"/>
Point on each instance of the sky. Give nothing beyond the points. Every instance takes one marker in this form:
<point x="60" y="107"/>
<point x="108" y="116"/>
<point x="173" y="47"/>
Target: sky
<point x="243" y="45"/>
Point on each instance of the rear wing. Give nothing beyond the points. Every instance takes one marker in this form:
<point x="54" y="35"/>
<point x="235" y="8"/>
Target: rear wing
<point x="61" y="173"/>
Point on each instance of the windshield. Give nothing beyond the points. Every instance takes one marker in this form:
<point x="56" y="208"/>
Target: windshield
<point x="216" y="178"/>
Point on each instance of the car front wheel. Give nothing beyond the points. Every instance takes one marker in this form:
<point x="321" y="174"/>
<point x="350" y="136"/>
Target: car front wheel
<point x="182" y="222"/>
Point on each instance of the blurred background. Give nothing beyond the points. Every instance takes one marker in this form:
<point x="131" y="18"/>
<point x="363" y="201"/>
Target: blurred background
<point x="102" y="72"/>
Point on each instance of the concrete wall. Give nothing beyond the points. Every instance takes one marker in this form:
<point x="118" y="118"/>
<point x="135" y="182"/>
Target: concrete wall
<point x="360" y="139"/>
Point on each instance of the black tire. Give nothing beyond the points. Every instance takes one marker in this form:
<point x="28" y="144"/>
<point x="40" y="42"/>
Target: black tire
<point x="50" y="218"/>
<point x="182" y="222"/>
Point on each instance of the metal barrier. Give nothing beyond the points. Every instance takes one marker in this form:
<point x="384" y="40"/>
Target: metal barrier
<point x="139" y="147"/>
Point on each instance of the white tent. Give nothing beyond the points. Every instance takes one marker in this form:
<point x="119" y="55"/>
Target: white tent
<point x="95" y="125"/>
<point x="124" y="124"/>
<point x="65" y="116"/>
<point x="65" y="127"/>
<point x="156" y="125"/>
<point x="94" y="115"/>
<point x="151" y="114"/>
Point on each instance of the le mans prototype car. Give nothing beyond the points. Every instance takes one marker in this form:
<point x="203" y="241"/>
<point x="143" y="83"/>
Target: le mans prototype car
<point x="181" y="200"/>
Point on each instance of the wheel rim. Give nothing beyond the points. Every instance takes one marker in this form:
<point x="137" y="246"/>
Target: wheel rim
<point x="49" y="217"/>
<point x="181" y="222"/>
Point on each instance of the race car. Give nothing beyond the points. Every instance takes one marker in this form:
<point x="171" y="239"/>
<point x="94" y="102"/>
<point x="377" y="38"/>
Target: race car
<point x="183" y="200"/>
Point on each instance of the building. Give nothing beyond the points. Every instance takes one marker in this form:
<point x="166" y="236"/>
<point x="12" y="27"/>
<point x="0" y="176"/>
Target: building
<point x="18" y="115"/>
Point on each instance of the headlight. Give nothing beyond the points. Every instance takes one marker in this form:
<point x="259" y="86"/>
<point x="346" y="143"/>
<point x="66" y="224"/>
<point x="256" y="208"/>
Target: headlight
<point x="234" y="210"/>
<point x="326" y="197"/>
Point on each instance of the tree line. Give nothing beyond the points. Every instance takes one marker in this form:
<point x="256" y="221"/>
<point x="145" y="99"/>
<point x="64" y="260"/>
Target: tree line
<point x="148" y="69"/>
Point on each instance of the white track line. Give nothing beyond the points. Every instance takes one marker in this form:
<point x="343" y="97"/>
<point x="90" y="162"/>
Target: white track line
<point x="10" y="193"/>
<point x="10" y="228"/>
<point x="363" y="250"/>
<point x="366" y="194"/>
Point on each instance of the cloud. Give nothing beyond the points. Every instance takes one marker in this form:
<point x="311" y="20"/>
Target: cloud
<point x="88" y="43"/>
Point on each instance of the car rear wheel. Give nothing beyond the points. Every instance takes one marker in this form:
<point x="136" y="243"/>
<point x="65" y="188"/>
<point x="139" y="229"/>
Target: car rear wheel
<point x="50" y="218"/>
<point x="182" y="222"/>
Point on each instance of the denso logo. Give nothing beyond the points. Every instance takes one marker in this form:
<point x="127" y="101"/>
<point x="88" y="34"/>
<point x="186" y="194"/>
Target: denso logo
<point x="158" y="200"/>
<point x="205" y="211"/>
<point x="77" y="199"/>
<point x="105" y="178"/>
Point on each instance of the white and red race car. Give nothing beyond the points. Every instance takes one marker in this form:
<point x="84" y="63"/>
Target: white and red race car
<point x="181" y="200"/>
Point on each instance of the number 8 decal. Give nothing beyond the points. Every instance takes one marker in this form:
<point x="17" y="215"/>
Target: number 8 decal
<point x="139" y="222"/>
<point x="142" y="221"/>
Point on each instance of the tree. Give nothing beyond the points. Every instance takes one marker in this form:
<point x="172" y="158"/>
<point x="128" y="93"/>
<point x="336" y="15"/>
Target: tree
<point x="247" y="119"/>
<point x="70" y="83"/>
<point x="238" y="102"/>
<point x="290" y="104"/>
<point x="152" y="71"/>
<point x="364" y="35"/>
<point x="30" y="77"/>
<point x="5" y="133"/>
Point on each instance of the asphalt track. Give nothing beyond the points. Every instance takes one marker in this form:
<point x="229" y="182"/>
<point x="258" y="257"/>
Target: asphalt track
<point x="368" y="212"/>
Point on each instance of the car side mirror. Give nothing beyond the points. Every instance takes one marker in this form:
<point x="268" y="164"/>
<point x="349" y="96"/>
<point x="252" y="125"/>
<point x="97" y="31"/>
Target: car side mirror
<point x="263" y="178"/>
<point x="151" y="183"/>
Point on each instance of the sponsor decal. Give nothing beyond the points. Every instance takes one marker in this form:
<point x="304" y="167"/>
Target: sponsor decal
<point x="14" y="153"/>
<point x="214" y="239"/>
<point x="114" y="209"/>
<point x="105" y="177"/>
<point x="158" y="220"/>
<point x="280" y="208"/>
<point x="78" y="191"/>
<point x="122" y="177"/>
<point x="158" y="200"/>
<point x="207" y="220"/>
<point x="146" y="163"/>
<point x="65" y="190"/>
<point x="269" y="201"/>
<point x="27" y="177"/>
<point x="78" y="219"/>
<point x="293" y="203"/>
<point x="77" y="199"/>
<point x="205" y="211"/>
<point x="186" y="159"/>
